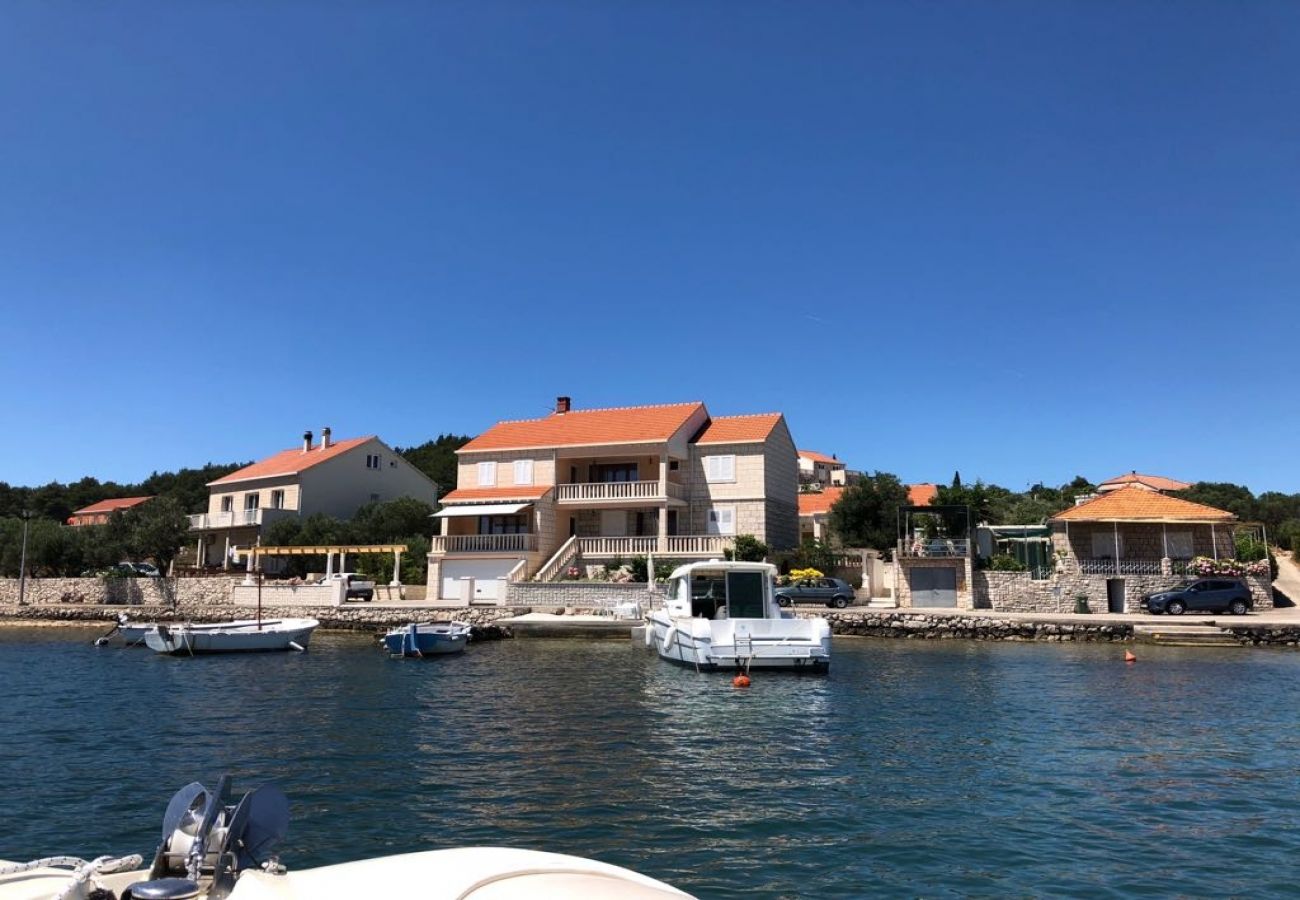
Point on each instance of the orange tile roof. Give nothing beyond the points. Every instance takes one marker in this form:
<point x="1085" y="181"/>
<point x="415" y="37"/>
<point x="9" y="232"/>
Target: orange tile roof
<point x="487" y="495"/>
<point x="1136" y="504"/>
<point x="738" y="429"/>
<point x="108" y="506"/>
<point x="1156" y="482"/>
<point x="292" y="461"/>
<point x="922" y="494"/>
<point x="584" y="427"/>
<point x="820" y="457"/>
<point x="818" y="504"/>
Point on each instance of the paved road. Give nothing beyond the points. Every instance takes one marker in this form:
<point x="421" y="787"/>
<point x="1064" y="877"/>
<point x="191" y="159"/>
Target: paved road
<point x="1288" y="577"/>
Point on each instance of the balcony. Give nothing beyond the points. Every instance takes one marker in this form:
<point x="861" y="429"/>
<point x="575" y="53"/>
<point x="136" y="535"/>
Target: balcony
<point x="936" y="548"/>
<point x="1108" y="566"/>
<point x="618" y="492"/>
<point x="694" y="545"/>
<point x="483" y="543"/>
<point x="238" y="518"/>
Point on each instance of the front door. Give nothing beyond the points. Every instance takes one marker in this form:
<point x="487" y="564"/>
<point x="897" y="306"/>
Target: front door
<point x="1115" y="595"/>
<point x="613" y="523"/>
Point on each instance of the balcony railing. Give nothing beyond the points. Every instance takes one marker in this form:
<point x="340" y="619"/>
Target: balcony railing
<point x="238" y="518"/>
<point x="1130" y="567"/>
<point x="483" y="543"/>
<point x="940" y="548"/>
<point x="673" y="545"/>
<point x="616" y="491"/>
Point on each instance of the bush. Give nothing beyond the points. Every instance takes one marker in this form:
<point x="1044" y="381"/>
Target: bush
<point x="1003" y="562"/>
<point x="748" y="549"/>
<point x="805" y="574"/>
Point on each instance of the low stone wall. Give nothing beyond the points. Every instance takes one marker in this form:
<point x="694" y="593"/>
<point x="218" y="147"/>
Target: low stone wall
<point x="131" y="591"/>
<point x="575" y="593"/>
<point x="1018" y="592"/>
<point x="924" y="626"/>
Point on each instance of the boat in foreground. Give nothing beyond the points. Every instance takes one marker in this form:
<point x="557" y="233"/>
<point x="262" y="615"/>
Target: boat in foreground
<point x="212" y="848"/>
<point x="724" y="615"/>
<point x="242" y="636"/>
<point x="427" y="639"/>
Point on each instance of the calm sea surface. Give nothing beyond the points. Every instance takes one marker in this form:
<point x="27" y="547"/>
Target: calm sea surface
<point x="913" y="769"/>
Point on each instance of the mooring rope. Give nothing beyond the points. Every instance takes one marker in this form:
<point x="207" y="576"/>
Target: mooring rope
<point x="83" y="871"/>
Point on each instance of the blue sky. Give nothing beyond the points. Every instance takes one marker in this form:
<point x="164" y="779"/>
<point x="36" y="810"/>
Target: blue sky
<point x="1020" y="239"/>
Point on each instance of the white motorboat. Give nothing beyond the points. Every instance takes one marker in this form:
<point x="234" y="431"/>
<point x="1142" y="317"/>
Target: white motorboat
<point x="241" y="636"/>
<point x="724" y="615"/>
<point x="213" y="849"/>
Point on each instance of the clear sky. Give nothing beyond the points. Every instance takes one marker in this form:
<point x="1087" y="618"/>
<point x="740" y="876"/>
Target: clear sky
<point x="1020" y="239"/>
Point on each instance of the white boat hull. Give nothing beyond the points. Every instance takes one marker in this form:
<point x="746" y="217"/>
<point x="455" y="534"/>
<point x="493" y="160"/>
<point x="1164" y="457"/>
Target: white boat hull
<point x="709" y="644"/>
<point x="244" y="636"/>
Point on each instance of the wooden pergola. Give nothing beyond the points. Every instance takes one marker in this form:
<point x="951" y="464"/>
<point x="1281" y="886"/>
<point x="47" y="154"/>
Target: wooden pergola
<point x="328" y="551"/>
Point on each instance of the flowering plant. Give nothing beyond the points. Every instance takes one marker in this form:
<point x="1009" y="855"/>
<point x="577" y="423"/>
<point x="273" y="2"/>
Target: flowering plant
<point x="1203" y="565"/>
<point x="805" y="574"/>
<point x="572" y="572"/>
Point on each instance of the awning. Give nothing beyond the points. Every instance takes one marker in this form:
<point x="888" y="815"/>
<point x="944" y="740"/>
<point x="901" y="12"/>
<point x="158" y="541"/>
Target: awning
<point x="483" y="509"/>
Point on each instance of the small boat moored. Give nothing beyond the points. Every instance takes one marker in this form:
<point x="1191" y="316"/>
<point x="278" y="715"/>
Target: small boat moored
<point x="244" y="636"/>
<point x="724" y="615"/>
<point x="427" y="639"/>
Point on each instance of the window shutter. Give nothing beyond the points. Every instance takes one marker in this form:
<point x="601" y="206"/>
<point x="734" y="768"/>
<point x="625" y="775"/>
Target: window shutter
<point x="487" y="474"/>
<point x="523" y="471"/>
<point x="720" y="468"/>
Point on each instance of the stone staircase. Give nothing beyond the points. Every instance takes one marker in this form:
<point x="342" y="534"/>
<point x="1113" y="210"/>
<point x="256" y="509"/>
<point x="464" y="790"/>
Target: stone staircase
<point x="1189" y="635"/>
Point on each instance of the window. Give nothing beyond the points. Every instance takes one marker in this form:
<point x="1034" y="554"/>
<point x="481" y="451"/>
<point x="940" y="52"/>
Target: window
<point x="277" y="499"/>
<point x="373" y="461"/>
<point x="487" y="474"/>
<point x="722" y="520"/>
<point x="251" y="501"/>
<point x="227" y="503"/>
<point x="720" y="468"/>
<point x="609" y="472"/>
<point x="523" y="471"/>
<point x="673" y="465"/>
<point x="502" y="524"/>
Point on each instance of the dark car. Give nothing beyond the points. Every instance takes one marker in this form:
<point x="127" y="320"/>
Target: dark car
<point x="1203" y="595"/>
<point x="831" y="591"/>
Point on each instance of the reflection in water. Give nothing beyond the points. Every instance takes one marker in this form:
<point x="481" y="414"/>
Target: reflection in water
<point x="913" y="768"/>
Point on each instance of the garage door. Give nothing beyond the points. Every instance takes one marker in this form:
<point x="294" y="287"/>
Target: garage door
<point x="933" y="587"/>
<point x="489" y="577"/>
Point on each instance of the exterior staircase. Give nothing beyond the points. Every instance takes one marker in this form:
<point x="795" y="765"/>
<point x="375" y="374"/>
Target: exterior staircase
<point x="560" y="561"/>
<point x="1190" y="635"/>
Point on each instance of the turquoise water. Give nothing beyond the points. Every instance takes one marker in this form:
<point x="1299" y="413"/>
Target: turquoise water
<point x="913" y="769"/>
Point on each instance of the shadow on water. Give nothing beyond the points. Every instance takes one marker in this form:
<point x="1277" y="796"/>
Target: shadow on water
<point x="957" y="768"/>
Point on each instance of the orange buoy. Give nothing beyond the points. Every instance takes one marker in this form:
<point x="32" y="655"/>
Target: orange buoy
<point x="1129" y="657"/>
<point x="741" y="680"/>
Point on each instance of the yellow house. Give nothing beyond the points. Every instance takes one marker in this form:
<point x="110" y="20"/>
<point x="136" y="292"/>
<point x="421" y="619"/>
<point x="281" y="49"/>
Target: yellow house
<point x="333" y="477"/>
<point x="538" y="496"/>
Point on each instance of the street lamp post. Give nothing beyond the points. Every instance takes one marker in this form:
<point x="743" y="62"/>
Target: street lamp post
<point x="22" y="563"/>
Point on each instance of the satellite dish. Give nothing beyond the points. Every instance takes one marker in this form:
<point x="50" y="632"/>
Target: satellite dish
<point x="260" y="823"/>
<point x="193" y="799"/>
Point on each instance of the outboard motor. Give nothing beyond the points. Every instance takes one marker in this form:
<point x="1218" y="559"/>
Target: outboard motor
<point x="206" y="838"/>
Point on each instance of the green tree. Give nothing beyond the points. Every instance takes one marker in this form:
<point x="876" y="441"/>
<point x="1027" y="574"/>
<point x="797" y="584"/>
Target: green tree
<point x="866" y="515"/>
<point x="156" y="530"/>
<point x="1235" y="498"/>
<point x="437" y="458"/>
<point x="748" y="549"/>
<point x="384" y="522"/>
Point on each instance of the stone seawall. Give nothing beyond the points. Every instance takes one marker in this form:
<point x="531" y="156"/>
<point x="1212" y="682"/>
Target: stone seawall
<point x="924" y="626"/>
<point x="576" y="593"/>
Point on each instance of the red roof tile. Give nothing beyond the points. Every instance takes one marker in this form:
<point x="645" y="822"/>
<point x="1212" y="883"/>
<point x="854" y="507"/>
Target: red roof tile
<point x="738" y="429"/>
<point x="293" y="461"/>
<point x="1155" y="482"/>
<point x="488" y="495"/>
<point x="584" y="427"/>
<point x="1137" y="504"/>
<point x="816" y="504"/>
<point x="820" y="457"/>
<point x="922" y="494"/>
<point x="109" y="506"/>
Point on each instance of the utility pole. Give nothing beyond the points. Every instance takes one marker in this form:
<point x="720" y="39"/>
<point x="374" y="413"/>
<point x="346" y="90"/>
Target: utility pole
<point x="22" y="565"/>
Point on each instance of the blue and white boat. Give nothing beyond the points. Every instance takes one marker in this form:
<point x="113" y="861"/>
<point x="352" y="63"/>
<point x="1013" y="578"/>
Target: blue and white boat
<point x="427" y="639"/>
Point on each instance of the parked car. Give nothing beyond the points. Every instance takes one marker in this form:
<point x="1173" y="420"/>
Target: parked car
<point x="834" y="592"/>
<point x="358" y="589"/>
<point x="1202" y="595"/>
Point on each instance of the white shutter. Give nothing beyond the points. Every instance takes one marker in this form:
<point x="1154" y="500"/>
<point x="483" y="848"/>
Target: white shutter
<point x="720" y="468"/>
<point x="487" y="474"/>
<point x="523" y="471"/>
<point x="722" y="520"/>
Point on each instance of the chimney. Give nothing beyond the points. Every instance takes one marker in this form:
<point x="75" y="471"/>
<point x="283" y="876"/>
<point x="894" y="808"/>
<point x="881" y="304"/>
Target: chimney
<point x="562" y="405"/>
<point x="306" y="441"/>
<point x="325" y="441"/>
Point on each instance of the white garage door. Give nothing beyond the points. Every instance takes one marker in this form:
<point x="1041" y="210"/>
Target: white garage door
<point x="489" y="577"/>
